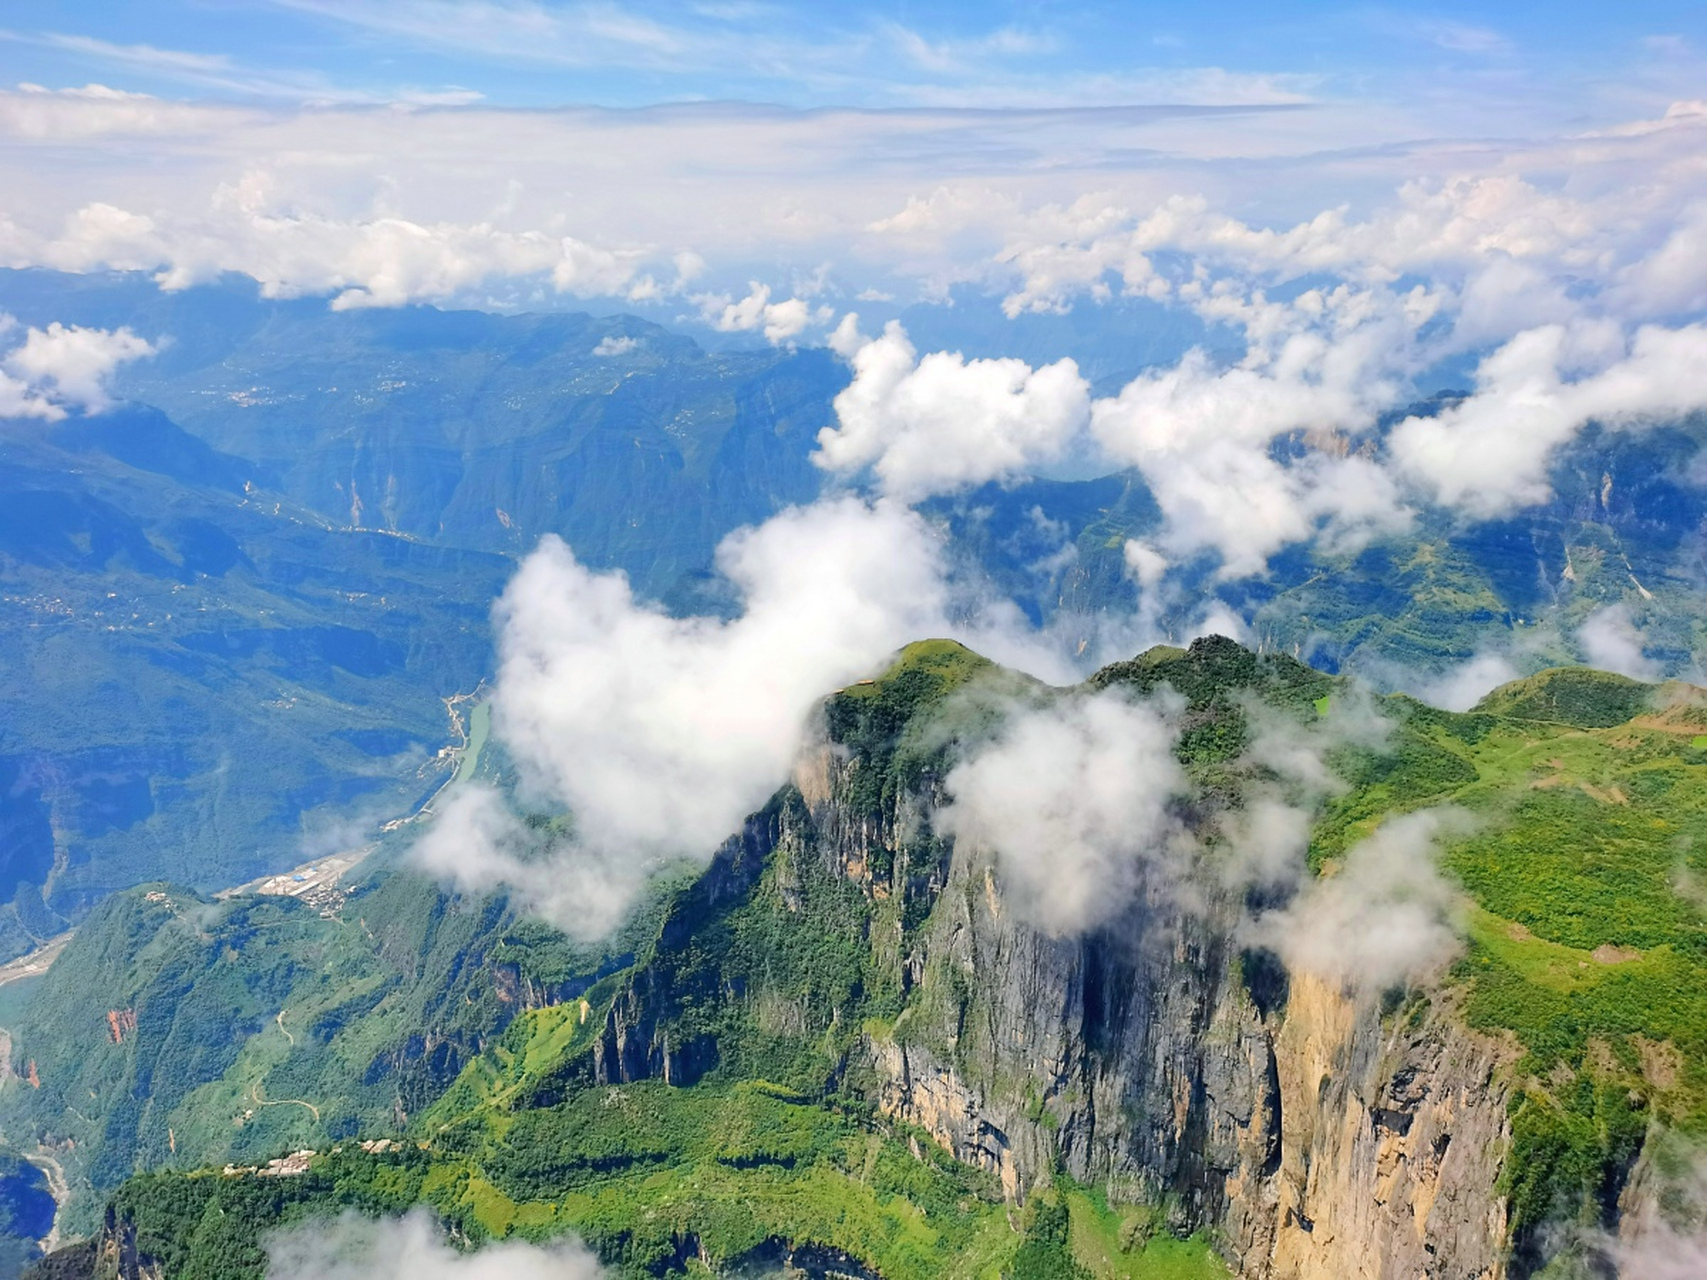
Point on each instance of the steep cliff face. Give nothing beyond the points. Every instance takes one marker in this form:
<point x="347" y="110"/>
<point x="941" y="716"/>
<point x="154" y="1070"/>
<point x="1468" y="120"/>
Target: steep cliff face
<point x="1317" y="1135"/>
<point x="1323" y="1140"/>
<point x="1392" y="1137"/>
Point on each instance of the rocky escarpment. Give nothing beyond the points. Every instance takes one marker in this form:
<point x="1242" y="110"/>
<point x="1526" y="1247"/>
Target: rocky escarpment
<point x="1320" y="1137"/>
<point x="1316" y="1135"/>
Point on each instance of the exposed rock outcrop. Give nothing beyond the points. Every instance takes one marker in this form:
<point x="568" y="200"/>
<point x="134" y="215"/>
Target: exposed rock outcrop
<point x="1317" y="1136"/>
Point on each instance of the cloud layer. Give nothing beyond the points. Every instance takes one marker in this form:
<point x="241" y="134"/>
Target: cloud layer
<point x="1073" y="797"/>
<point x="1553" y="301"/>
<point x="661" y="734"/>
<point x="62" y="367"/>
<point x="414" y="1248"/>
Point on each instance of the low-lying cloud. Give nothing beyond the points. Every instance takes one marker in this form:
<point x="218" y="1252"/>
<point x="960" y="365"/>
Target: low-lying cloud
<point x="1665" y="1236"/>
<point x="1611" y="641"/>
<point x="1664" y="1254"/>
<point x="1073" y="796"/>
<point x="63" y="367"/>
<point x="1203" y="438"/>
<point x="1581" y="297"/>
<point x="942" y="423"/>
<point x="660" y="734"/>
<point x="1488" y="455"/>
<point x="414" y="1248"/>
<point x="1290" y="775"/>
<point x="1383" y="917"/>
<point x="1461" y="687"/>
<point x="657" y="735"/>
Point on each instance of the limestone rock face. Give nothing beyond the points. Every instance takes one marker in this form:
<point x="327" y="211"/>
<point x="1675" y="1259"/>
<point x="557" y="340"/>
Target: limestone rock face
<point x="1318" y="1137"/>
<point x="1324" y="1141"/>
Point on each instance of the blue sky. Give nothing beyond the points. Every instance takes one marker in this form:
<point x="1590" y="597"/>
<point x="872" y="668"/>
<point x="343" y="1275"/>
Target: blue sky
<point x="1574" y="60"/>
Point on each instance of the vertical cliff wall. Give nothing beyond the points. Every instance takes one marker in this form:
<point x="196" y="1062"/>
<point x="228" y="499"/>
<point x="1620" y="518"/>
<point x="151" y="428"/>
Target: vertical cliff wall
<point x="1324" y="1139"/>
<point x="1320" y="1137"/>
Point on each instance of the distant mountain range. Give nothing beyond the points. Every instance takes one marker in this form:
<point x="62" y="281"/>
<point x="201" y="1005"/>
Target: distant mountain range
<point x="232" y="606"/>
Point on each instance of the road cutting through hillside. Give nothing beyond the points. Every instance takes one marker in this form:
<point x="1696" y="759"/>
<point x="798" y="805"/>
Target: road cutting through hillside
<point x="259" y="1101"/>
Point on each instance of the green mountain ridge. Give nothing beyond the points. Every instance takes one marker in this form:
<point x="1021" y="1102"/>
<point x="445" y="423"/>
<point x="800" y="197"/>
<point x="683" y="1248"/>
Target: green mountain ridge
<point x="724" y="1080"/>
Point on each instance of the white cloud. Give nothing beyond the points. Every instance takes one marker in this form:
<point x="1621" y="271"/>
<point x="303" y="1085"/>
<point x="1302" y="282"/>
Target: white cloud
<point x="1672" y="278"/>
<point x="1204" y="439"/>
<point x="1611" y="641"/>
<point x="611" y="345"/>
<point x="414" y="1248"/>
<point x="661" y="734"/>
<point x="96" y="113"/>
<point x="919" y="196"/>
<point x="1489" y="454"/>
<point x="1383" y="917"/>
<point x="1267" y="836"/>
<point x="64" y="366"/>
<point x="1463" y="686"/>
<point x="1664" y="1234"/>
<point x="1423" y="252"/>
<point x="1664" y="1253"/>
<point x="1073" y="798"/>
<point x="1146" y="564"/>
<point x="365" y="262"/>
<point x="943" y="422"/>
<point x="1219" y="619"/>
<point x="780" y="321"/>
<point x="18" y="400"/>
<point x="1064" y="253"/>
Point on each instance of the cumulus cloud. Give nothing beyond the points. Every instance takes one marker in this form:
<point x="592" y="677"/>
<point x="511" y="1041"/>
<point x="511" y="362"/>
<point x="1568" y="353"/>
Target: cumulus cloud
<point x="1384" y="917"/>
<point x="660" y="734"/>
<point x="1611" y="641"/>
<point x="1489" y="454"/>
<point x="611" y="345"/>
<point x="414" y="1248"/>
<point x="1146" y="564"/>
<point x="1485" y="238"/>
<point x="62" y="367"/>
<point x="1073" y="797"/>
<point x="779" y="321"/>
<point x="1204" y="439"/>
<point x="19" y="400"/>
<point x="943" y="422"/>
